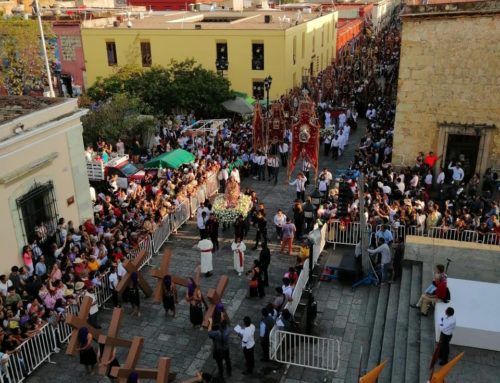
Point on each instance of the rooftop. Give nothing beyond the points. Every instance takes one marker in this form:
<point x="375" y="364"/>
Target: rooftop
<point x="12" y="107"/>
<point x="219" y="20"/>
<point x="451" y="7"/>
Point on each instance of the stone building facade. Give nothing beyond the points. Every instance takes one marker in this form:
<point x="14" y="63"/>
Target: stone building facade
<point x="449" y="84"/>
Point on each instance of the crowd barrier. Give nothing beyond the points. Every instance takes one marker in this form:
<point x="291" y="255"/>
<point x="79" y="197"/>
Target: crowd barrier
<point x="38" y="348"/>
<point x="349" y="234"/>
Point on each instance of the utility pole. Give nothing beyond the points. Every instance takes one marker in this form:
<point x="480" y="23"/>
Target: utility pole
<point x="362" y="225"/>
<point x="44" y="48"/>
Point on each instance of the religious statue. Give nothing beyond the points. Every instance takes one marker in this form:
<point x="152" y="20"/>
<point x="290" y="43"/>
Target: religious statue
<point x="232" y="193"/>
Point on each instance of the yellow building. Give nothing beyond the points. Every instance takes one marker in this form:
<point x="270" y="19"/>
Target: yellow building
<point x="449" y="85"/>
<point x="42" y="171"/>
<point x="248" y="46"/>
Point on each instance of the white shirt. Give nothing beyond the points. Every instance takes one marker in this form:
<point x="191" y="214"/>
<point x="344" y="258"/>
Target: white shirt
<point x="300" y="184"/>
<point x="384" y="251"/>
<point x="201" y="222"/>
<point x="279" y="220"/>
<point x="113" y="280"/>
<point x="283" y="148"/>
<point x="288" y="291"/>
<point x="247" y="335"/>
<point x="440" y="178"/>
<point x="428" y="179"/>
<point x="458" y="173"/>
<point x="447" y="325"/>
<point x="93" y="307"/>
<point x="121" y="270"/>
<point x="4" y="287"/>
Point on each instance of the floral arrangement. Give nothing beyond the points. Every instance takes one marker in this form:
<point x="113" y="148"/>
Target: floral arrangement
<point x="226" y="215"/>
<point x="325" y="132"/>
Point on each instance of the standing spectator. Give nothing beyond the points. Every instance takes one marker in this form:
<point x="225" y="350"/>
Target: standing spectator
<point x="306" y="168"/>
<point x="274" y="166"/>
<point x="266" y="325"/>
<point x="289" y="230"/>
<point x="298" y="218"/>
<point x="41" y="267"/>
<point x="265" y="261"/>
<point x="458" y="173"/>
<point x="447" y="324"/>
<point x="283" y="149"/>
<point x="4" y="285"/>
<point x="15" y="278"/>
<point x="238" y="248"/>
<point x="28" y="259"/>
<point x="247" y="343"/>
<point x="279" y="221"/>
<point x="220" y="336"/>
<point x="206" y="248"/>
<point x="201" y="221"/>
<point x="300" y="186"/>
<point x="256" y="282"/>
<point x="261" y="224"/>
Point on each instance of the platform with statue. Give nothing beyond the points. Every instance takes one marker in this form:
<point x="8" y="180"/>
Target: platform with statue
<point x="232" y="204"/>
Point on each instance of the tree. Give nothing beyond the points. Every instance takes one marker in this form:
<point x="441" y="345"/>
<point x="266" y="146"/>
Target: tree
<point x="182" y="86"/>
<point x="121" y="116"/>
<point x="22" y="67"/>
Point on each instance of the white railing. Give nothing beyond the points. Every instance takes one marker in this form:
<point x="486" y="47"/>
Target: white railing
<point x="29" y="355"/>
<point x="212" y="185"/>
<point x="181" y="214"/>
<point x="339" y="233"/>
<point x="306" y="351"/>
<point x="161" y="234"/>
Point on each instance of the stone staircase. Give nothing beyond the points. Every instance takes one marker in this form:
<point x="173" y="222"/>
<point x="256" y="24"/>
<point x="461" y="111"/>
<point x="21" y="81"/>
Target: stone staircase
<point x="399" y="335"/>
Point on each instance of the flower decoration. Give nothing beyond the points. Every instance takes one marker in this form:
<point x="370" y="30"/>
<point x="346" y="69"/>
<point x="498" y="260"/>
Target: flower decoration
<point x="226" y="215"/>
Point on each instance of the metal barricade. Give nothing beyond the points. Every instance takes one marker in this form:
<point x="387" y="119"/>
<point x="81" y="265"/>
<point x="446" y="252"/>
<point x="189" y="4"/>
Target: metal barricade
<point x="491" y="239"/>
<point x="201" y="194"/>
<point x="443" y="233"/>
<point x="181" y="214"/>
<point x="212" y="185"/>
<point x="306" y="351"/>
<point x="343" y="234"/>
<point x="146" y="245"/>
<point x="161" y="234"/>
<point x="468" y="236"/>
<point x="29" y="355"/>
<point x="64" y="330"/>
<point x="193" y="205"/>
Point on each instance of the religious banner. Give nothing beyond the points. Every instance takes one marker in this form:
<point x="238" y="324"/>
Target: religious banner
<point x="258" y="128"/>
<point x="305" y="133"/>
<point x="277" y="124"/>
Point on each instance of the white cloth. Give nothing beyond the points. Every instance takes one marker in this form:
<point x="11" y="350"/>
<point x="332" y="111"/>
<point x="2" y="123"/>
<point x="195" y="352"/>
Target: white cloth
<point x="206" y="247"/>
<point x="247" y="335"/>
<point x="238" y="256"/>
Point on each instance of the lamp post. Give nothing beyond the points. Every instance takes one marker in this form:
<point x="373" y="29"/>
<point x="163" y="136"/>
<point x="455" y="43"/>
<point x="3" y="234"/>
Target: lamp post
<point x="267" y="86"/>
<point x="44" y="48"/>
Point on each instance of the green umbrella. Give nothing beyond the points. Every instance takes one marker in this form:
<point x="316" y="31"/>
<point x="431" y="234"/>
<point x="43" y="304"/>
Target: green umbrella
<point x="172" y="160"/>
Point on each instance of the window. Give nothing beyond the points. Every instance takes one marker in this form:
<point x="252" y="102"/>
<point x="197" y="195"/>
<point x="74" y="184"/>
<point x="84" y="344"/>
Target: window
<point x="111" y="53"/>
<point x="146" y="54"/>
<point x="221" y="61"/>
<point x="38" y="212"/>
<point x="258" y="56"/>
<point x="258" y="89"/>
<point x="314" y="42"/>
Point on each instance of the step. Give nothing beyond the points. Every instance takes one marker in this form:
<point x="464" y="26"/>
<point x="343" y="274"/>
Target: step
<point x="413" y="336"/>
<point x="378" y="328"/>
<point x="399" y="355"/>
<point x="388" y="340"/>
<point x="361" y="345"/>
<point x="427" y="338"/>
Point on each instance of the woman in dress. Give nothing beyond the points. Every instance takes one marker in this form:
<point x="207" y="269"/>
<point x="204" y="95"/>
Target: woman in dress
<point x="256" y="282"/>
<point x="133" y="294"/>
<point x="169" y="294"/>
<point x="87" y="353"/>
<point x="195" y="299"/>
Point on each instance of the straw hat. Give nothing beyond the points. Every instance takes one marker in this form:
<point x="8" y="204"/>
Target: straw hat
<point x="79" y="285"/>
<point x="77" y="261"/>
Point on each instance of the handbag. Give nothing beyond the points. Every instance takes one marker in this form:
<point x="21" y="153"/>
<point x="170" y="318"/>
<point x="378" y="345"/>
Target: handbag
<point x="254" y="284"/>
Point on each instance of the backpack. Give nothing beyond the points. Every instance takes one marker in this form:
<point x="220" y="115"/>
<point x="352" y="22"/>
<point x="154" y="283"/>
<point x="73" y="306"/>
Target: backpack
<point x="448" y="296"/>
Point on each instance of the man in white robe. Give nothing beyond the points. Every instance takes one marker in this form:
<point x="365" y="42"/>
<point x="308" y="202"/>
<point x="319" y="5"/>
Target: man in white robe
<point x="238" y="248"/>
<point x="206" y="248"/>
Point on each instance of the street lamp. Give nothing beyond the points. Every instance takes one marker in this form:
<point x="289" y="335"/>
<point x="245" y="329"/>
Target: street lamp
<point x="267" y="85"/>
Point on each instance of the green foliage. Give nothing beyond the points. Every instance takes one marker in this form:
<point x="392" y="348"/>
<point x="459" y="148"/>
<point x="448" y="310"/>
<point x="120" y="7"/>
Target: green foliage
<point x="121" y="116"/>
<point x="21" y="62"/>
<point x="182" y="86"/>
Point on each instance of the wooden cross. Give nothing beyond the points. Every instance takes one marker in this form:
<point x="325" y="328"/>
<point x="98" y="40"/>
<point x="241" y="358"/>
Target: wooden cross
<point x="79" y="321"/>
<point x="215" y="296"/>
<point x="111" y="340"/>
<point x="133" y="356"/>
<point x="133" y="266"/>
<point x="161" y="374"/>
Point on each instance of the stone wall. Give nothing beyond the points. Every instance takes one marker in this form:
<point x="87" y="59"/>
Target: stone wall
<point x="449" y="72"/>
<point x="472" y="261"/>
